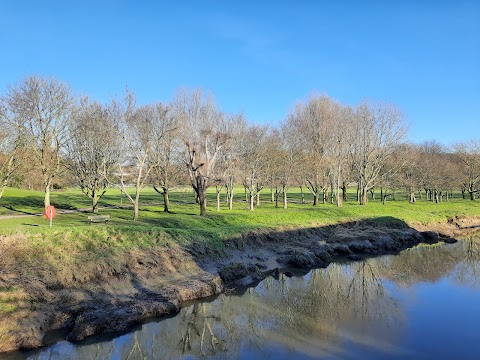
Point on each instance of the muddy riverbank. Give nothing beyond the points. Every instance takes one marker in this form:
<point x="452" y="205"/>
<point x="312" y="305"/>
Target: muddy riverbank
<point x="114" y="294"/>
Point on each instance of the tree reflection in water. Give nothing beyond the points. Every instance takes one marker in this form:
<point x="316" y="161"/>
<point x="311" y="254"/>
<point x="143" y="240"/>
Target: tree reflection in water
<point x="313" y="315"/>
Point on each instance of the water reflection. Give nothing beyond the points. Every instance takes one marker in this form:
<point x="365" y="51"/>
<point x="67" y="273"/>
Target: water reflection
<point x="343" y="310"/>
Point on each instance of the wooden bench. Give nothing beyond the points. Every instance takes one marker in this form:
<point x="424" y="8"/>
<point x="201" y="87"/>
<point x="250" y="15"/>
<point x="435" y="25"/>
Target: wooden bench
<point x="99" y="218"/>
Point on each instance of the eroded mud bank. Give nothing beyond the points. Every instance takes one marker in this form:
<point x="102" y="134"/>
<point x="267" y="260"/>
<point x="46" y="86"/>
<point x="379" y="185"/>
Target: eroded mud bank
<point x="116" y="295"/>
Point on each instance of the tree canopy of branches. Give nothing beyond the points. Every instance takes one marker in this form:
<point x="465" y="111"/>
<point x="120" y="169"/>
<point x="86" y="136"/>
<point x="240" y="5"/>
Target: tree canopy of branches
<point x="376" y="133"/>
<point x="167" y="168"/>
<point x="469" y="155"/>
<point x="42" y="109"/>
<point x="323" y="145"/>
<point x="204" y="134"/>
<point x="93" y="154"/>
<point x="9" y="150"/>
<point x="143" y="130"/>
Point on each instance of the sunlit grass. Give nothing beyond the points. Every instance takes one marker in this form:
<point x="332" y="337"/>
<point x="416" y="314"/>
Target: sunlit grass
<point x="184" y="224"/>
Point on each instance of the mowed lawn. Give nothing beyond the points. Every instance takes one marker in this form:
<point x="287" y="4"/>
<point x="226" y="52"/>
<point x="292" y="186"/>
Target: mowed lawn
<point x="184" y="223"/>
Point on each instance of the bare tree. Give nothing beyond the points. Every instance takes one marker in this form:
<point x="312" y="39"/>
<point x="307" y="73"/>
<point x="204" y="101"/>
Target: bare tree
<point x="231" y="156"/>
<point x="289" y="145"/>
<point x="341" y="142"/>
<point x="42" y="109"/>
<point x="228" y="164"/>
<point x="93" y="149"/>
<point x="10" y="146"/>
<point x="253" y="159"/>
<point x="377" y="131"/>
<point x="204" y="133"/>
<point x="314" y="122"/>
<point x="439" y="170"/>
<point x="141" y="131"/>
<point x="469" y="155"/>
<point x="166" y="157"/>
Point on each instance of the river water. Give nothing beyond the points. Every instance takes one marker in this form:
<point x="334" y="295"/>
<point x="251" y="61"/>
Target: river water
<point x="421" y="304"/>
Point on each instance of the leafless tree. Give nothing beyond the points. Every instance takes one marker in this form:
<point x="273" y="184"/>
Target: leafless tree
<point x="377" y="131"/>
<point x="341" y="119"/>
<point x="314" y="121"/>
<point x="253" y="160"/>
<point x="10" y="148"/>
<point x="232" y="157"/>
<point x="228" y="166"/>
<point x="142" y="130"/>
<point x="166" y="157"/>
<point x="93" y="149"/>
<point x="410" y="174"/>
<point x="42" y="110"/>
<point x="290" y="143"/>
<point x="204" y="132"/>
<point x="439" y="170"/>
<point x="469" y="155"/>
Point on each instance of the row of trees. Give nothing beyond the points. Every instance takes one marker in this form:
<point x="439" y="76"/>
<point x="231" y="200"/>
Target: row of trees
<point x="322" y="146"/>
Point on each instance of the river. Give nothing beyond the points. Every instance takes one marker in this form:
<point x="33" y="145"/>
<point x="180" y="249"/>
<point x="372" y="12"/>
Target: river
<point x="423" y="303"/>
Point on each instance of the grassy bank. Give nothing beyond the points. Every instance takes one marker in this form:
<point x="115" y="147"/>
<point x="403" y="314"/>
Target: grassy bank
<point x="184" y="224"/>
<point x="38" y="263"/>
<point x="73" y="241"/>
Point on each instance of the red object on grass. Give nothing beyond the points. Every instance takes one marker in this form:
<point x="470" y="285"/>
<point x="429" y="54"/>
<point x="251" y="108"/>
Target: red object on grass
<point x="50" y="212"/>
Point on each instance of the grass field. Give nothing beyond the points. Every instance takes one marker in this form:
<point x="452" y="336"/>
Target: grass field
<point x="74" y="251"/>
<point x="185" y="224"/>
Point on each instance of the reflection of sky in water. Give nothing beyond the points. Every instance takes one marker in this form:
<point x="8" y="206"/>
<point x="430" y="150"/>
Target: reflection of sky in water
<point x="421" y="304"/>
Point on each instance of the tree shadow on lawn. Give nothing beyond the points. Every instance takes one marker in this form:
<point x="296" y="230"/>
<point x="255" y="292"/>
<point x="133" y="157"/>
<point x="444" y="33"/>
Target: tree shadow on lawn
<point x="33" y="205"/>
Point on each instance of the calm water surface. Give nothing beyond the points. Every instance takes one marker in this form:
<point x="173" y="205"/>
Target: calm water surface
<point x="421" y="304"/>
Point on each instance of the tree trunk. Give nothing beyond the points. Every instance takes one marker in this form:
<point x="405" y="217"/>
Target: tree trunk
<point x="218" y="189"/>
<point x="325" y="196"/>
<point x="230" y="199"/>
<point x="412" y="197"/>
<point x="136" y="204"/>
<point x="251" y="200"/>
<point x="315" y="199"/>
<point x="46" y="200"/>
<point x="257" y="200"/>
<point x="277" y="194"/>
<point x="285" y="197"/>
<point x="358" y="193"/>
<point x="95" y="202"/>
<point x="363" y="197"/>
<point x="344" y="191"/>
<point x="472" y="195"/>
<point x="203" y="203"/>
<point x="302" y="194"/>
<point x="166" y="201"/>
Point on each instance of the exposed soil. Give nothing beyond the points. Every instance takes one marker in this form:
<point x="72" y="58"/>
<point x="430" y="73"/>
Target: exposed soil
<point x="115" y="295"/>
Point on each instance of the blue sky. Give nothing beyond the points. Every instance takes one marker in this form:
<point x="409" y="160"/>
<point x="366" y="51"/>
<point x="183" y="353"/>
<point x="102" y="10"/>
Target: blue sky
<point x="260" y="57"/>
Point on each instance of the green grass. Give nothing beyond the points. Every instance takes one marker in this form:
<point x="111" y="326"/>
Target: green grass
<point x="184" y="224"/>
<point x="75" y="251"/>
